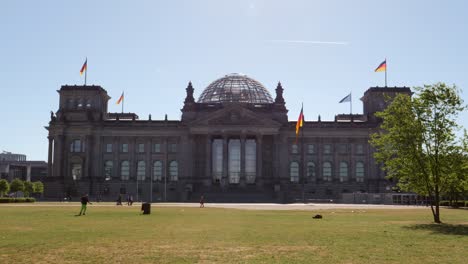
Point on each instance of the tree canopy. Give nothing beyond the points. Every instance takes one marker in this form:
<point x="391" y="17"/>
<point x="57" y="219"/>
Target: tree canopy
<point x="4" y="187"/>
<point x="417" y="143"/>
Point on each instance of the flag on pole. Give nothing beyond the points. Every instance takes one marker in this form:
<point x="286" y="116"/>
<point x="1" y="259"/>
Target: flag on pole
<point x="346" y="99"/>
<point x="120" y="98"/>
<point x="382" y="67"/>
<point x="84" y="67"/>
<point x="300" y="121"/>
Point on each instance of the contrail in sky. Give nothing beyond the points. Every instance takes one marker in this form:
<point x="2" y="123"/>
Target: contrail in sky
<point x="309" y="42"/>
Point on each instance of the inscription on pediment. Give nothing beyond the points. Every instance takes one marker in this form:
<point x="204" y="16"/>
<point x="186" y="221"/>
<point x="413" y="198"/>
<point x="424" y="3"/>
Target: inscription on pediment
<point x="234" y="118"/>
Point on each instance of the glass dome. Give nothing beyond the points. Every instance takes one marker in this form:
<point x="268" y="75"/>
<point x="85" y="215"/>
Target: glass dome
<point x="235" y="88"/>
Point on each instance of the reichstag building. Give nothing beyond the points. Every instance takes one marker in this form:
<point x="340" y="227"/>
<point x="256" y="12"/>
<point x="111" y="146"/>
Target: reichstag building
<point x="234" y="144"/>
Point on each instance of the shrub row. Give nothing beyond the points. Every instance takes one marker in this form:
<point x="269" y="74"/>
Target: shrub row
<point x="454" y="204"/>
<point x="16" y="200"/>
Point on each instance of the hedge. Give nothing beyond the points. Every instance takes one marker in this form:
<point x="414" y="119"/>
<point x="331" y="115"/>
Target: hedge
<point x="16" y="200"/>
<point x="454" y="203"/>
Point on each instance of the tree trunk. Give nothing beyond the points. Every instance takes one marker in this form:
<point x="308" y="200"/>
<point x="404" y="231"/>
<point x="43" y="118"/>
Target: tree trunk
<point x="437" y="212"/>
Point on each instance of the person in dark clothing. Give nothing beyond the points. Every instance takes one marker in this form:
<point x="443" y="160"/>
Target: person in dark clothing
<point x="84" y="202"/>
<point x="202" y="201"/>
<point x="119" y="200"/>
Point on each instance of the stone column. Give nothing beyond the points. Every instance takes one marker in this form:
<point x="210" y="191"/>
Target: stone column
<point x="225" y="180"/>
<point x="88" y="160"/>
<point x="49" y="158"/>
<point x="207" y="179"/>
<point x="242" y="176"/>
<point x="28" y="173"/>
<point x="259" y="177"/>
<point x="59" y="158"/>
<point x="149" y="163"/>
<point x="115" y="158"/>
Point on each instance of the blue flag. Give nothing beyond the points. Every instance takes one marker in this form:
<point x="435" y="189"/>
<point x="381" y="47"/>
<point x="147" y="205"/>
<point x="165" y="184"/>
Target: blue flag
<point x="346" y="99"/>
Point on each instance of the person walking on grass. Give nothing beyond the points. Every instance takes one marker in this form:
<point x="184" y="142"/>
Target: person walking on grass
<point x="202" y="201"/>
<point x="84" y="202"/>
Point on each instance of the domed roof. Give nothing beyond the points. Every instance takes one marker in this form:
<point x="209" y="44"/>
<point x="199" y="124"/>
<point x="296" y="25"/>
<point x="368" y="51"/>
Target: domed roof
<point x="235" y="88"/>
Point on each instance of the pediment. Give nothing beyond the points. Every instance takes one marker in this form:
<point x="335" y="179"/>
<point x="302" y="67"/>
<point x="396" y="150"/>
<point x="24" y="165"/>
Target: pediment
<point x="234" y="115"/>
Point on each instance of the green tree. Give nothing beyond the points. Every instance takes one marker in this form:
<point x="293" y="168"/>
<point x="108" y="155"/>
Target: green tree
<point x="28" y="188"/>
<point x="17" y="185"/>
<point x="4" y="187"/>
<point x="38" y="187"/>
<point x="416" y="142"/>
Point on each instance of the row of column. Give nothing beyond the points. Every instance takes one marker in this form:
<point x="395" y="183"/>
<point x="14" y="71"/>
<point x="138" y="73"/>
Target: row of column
<point x="225" y="138"/>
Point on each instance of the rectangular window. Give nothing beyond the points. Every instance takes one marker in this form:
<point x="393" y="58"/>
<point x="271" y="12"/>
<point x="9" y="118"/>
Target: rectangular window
<point x="156" y="147"/>
<point x="294" y="149"/>
<point x="327" y="149"/>
<point x="343" y="148"/>
<point x="141" y="148"/>
<point x="359" y="149"/>
<point x="217" y="159"/>
<point x="125" y="147"/>
<point x="173" y="147"/>
<point x="109" y="147"/>
<point x="76" y="146"/>
<point x="311" y="149"/>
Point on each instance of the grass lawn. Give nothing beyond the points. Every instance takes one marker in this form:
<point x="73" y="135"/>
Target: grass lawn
<point x="109" y="234"/>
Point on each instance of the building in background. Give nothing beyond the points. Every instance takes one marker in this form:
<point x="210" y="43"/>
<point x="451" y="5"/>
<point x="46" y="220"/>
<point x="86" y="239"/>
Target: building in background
<point x="234" y="144"/>
<point x="16" y="166"/>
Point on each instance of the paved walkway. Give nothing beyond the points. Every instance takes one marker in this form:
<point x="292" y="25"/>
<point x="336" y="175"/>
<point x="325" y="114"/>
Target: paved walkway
<point x="245" y="206"/>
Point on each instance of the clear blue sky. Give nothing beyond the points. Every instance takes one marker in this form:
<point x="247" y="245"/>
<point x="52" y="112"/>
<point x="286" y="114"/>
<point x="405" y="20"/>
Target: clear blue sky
<point x="319" y="50"/>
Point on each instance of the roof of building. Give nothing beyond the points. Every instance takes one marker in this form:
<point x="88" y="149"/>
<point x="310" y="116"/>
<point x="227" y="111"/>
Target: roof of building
<point x="235" y="88"/>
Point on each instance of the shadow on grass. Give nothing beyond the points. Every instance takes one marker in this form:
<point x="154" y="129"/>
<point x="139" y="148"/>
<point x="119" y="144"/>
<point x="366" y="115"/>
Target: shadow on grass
<point x="446" y="229"/>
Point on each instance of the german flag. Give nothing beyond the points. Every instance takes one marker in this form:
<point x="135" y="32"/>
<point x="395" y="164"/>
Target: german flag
<point x="121" y="98"/>
<point x="382" y="67"/>
<point x="84" y="67"/>
<point x="300" y="121"/>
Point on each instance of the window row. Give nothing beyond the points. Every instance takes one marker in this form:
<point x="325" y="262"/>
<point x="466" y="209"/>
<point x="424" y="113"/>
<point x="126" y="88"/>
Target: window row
<point x="327" y="171"/>
<point x="78" y="103"/>
<point x="156" y="170"/>
<point x="141" y="147"/>
<point x="328" y="148"/>
<point x="78" y="146"/>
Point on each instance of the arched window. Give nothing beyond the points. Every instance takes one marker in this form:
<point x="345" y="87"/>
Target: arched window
<point x="294" y="171"/>
<point x="70" y="104"/>
<point x="141" y="170"/>
<point x="108" y="164"/>
<point x="327" y="171"/>
<point x="157" y="170"/>
<point x="359" y="171"/>
<point x="310" y="170"/>
<point x="125" y="170"/>
<point x="173" y="171"/>
<point x="343" y="171"/>
<point x="76" y="169"/>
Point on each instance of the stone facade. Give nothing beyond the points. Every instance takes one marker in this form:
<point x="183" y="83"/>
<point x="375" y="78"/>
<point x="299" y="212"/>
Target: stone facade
<point x="231" y="151"/>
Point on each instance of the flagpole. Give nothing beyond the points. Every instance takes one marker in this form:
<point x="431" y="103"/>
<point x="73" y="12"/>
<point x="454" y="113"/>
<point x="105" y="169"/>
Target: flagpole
<point x="385" y="72"/>
<point x="350" y="104"/>
<point x="86" y="71"/>
<point x="302" y="154"/>
<point x="123" y="101"/>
